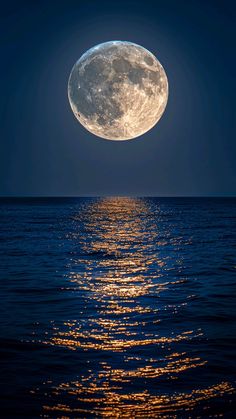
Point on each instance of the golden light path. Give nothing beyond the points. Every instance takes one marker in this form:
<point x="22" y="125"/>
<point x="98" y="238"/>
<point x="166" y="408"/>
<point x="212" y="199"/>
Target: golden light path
<point x="123" y="270"/>
<point x="137" y="405"/>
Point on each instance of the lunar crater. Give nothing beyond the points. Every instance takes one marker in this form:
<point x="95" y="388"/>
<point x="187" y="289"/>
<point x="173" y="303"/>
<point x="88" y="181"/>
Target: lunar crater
<point x="118" y="90"/>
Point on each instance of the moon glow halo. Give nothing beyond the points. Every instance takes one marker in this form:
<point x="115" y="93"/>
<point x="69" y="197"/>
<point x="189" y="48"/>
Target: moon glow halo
<point x="118" y="90"/>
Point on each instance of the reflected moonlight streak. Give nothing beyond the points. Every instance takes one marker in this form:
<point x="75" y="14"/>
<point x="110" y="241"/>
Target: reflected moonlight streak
<point x="137" y="353"/>
<point x="118" y="90"/>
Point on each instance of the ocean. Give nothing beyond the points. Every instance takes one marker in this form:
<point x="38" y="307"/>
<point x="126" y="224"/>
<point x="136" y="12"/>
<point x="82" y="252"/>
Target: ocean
<point x="118" y="307"/>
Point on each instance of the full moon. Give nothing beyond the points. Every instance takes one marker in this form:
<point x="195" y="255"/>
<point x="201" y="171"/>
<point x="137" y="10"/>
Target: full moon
<point x="118" y="90"/>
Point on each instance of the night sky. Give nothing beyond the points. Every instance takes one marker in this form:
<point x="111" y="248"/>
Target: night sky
<point x="43" y="148"/>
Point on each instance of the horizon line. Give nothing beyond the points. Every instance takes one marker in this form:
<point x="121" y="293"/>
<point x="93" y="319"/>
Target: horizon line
<point x="112" y="195"/>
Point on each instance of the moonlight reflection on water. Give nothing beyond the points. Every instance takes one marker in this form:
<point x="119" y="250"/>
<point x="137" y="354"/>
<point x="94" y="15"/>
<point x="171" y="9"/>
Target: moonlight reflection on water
<point x="127" y="276"/>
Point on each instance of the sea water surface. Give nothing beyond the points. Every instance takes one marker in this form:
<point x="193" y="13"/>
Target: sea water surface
<point x="118" y="307"/>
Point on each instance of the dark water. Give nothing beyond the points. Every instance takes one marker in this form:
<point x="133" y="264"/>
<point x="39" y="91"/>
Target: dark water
<point x="118" y="308"/>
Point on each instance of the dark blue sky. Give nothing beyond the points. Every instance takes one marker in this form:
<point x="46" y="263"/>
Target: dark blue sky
<point x="45" y="151"/>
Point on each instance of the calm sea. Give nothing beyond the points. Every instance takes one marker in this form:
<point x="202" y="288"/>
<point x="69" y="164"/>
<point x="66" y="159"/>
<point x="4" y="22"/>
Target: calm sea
<point x="118" y="308"/>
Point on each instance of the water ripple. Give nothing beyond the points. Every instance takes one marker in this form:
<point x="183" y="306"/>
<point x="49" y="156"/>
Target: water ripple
<point x="128" y="306"/>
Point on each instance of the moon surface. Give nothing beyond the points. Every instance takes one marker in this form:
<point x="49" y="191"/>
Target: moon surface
<point x="118" y="90"/>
